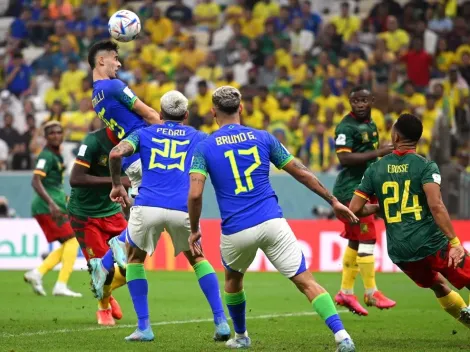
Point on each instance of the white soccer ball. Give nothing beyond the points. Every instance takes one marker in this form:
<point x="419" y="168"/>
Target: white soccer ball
<point x="124" y="26"/>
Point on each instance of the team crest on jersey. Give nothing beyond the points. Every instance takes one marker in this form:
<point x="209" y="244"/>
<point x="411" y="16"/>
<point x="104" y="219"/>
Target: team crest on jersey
<point x="365" y="137"/>
<point x="90" y="252"/>
<point x="374" y="134"/>
<point x="103" y="160"/>
<point x="364" y="228"/>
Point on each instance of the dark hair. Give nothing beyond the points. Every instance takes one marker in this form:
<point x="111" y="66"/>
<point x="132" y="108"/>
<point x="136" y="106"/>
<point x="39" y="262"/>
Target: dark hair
<point x="359" y="88"/>
<point x="104" y="45"/>
<point x="202" y="83"/>
<point x="409" y="127"/>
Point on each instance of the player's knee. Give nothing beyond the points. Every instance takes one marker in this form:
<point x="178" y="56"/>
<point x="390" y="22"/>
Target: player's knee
<point x="135" y="255"/>
<point x="365" y="249"/>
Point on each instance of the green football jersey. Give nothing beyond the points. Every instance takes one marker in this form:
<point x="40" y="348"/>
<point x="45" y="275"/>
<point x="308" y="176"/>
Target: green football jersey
<point x="50" y="166"/>
<point x="353" y="136"/>
<point x="397" y="180"/>
<point x="94" y="201"/>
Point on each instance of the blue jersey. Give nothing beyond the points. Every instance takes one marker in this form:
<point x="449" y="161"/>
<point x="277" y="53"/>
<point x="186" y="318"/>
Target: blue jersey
<point x="237" y="159"/>
<point x="166" y="152"/>
<point x="113" y="102"/>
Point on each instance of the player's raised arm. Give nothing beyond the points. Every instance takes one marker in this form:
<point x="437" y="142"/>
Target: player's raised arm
<point x="148" y="114"/>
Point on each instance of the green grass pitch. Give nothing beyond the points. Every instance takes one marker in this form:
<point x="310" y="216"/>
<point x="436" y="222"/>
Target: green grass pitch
<point x="279" y="317"/>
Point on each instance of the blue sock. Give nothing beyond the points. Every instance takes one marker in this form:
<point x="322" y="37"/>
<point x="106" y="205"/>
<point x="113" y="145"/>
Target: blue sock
<point x="210" y="286"/>
<point x="122" y="236"/>
<point x="138" y="288"/>
<point x="108" y="260"/>
<point x="236" y="304"/>
<point x="334" y="323"/>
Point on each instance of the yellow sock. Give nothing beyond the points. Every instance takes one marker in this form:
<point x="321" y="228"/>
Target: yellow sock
<point x="118" y="279"/>
<point x="367" y="268"/>
<point x="69" y="255"/>
<point x="350" y="270"/>
<point x="104" y="302"/>
<point x="51" y="261"/>
<point x="453" y="304"/>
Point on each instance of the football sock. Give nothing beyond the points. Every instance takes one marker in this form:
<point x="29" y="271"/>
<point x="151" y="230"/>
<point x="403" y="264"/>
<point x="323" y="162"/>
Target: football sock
<point x="122" y="236"/>
<point x="118" y="279"/>
<point x="138" y="288"/>
<point x="51" y="261"/>
<point x="104" y="302"/>
<point x="108" y="260"/>
<point x="210" y="286"/>
<point x="325" y="308"/>
<point x="69" y="255"/>
<point x="236" y="304"/>
<point x="350" y="271"/>
<point x="452" y="304"/>
<point x="367" y="268"/>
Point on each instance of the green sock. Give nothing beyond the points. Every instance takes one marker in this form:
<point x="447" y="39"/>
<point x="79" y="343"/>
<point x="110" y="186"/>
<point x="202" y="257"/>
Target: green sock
<point x="324" y="306"/>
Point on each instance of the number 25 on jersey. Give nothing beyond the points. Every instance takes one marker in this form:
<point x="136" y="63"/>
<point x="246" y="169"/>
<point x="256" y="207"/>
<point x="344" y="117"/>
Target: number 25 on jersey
<point x="230" y="154"/>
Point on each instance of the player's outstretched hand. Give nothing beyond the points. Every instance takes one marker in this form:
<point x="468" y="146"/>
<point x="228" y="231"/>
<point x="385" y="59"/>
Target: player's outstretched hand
<point x="456" y="254"/>
<point x="56" y="213"/>
<point x="343" y="212"/>
<point x="119" y="195"/>
<point x="194" y="244"/>
<point x="385" y="150"/>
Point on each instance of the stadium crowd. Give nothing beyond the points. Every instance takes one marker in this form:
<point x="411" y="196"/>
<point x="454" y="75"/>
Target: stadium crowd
<point x="293" y="65"/>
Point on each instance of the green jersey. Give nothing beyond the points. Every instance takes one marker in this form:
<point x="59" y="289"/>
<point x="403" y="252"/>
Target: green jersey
<point x="94" y="201"/>
<point x="397" y="180"/>
<point x="353" y="136"/>
<point x="50" y="166"/>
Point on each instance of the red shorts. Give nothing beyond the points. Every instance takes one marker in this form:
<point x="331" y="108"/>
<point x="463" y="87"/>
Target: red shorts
<point x="425" y="272"/>
<point x="55" y="231"/>
<point x="364" y="230"/>
<point x="93" y="234"/>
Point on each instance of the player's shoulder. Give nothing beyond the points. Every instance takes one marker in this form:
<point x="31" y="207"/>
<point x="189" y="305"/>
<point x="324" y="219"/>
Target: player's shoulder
<point x="109" y="84"/>
<point x="347" y="122"/>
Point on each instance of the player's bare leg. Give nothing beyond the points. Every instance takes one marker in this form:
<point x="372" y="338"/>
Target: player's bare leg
<point x="345" y="297"/>
<point x="366" y="263"/>
<point x="138" y="288"/>
<point x="324" y="306"/>
<point x="210" y="286"/>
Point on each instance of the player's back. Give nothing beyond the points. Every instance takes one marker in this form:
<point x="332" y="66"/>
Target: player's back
<point x="397" y="181"/>
<point x="166" y="152"/>
<point x="113" y="102"/>
<point x="237" y="158"/>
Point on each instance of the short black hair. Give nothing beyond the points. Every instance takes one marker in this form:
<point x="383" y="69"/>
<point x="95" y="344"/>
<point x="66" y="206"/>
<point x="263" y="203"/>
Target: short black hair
<point x="409" y="127"/>
<point x="103" y="45"/>
<point x="359" y="88"/>
<point x="202" y="83"/>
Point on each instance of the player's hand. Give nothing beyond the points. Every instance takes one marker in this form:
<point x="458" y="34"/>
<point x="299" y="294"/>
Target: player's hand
<point x="194" y="244"/>
<point x="456" y="254"/>
<point x="385" y="150"/>
<point x="56" y="213"/>
<point x="119" y="195"/>
<point x="343" y="212"/>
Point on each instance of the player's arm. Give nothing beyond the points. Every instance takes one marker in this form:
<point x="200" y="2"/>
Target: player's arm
<point x="148" y="114"/>
<point x="344" y="145"/>
<point x="42" y="169"/>
<point x="361" y="196"/>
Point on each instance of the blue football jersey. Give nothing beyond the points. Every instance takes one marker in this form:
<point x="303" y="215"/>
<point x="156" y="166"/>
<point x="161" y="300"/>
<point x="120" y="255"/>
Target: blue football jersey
<point x="237" y="159"/>
<point x="166" y="152"/>
<point x="113" y="102"/>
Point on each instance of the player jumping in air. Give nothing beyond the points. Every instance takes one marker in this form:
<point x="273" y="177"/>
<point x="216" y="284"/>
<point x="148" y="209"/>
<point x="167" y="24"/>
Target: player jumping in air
<point x="420" y="238"/>
<point x="357" y="140"/>
<point x="49" y="209"/>
<point x="166" y="151"/>
<point x="237" y="159"/>
<point x="95" y="218"/>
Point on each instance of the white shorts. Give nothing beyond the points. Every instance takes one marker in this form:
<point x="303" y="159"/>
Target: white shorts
<point x="274" y="237"/>
<point x="134" y="172"/>
<point x="147" y="223"/>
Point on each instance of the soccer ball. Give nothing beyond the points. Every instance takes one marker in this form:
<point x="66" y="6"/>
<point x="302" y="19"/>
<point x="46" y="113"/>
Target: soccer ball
<point x="124" y="26"/>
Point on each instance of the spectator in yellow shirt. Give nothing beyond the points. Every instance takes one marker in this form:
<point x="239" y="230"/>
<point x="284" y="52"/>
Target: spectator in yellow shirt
<point x="203" y="98"/>
<point x="250" y="116"/>
<point x="192" y="56"/>
<point x="234" y="12"/>
<point x="395" y="37"/>
<point x="160" y="28"/>
<point x="56" y="93"/>
<point x="413" y="99"/>
<point x="444" y="57"/>
<point x="155" y="90"/>
<point x="430" y="113"/>
<point x="77" y="123"/>
<point x="298" y="69"/>
<point x="326" y="101"/>
<point x="285" y="113"/>
<point x="228" y="79"/>
<point x="179" y="36"/>
<point x="71" y="80"/>
<point x="265" y="102"/>
<point x="252" y="27"/>
<point x="210" y="71"/>
<point x="60" y="32"/>
<point x="140" y="85"/>
<point x="206" y="14"/>
<point x="455" y="86"/>
<point x="265" y="9"/>
<point x="85" y="91"/>
<point x="346" y="24"/>
<point x="354" y="65"/>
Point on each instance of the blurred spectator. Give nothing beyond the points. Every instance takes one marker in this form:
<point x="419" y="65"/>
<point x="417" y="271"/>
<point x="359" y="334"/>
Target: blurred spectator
<point x="268" y="72"/>
<point x="71" y="79"/>
<point x="240" y="70"/>
<point x="8" y="133"/>
<point x="78" y="24"/>
<point x="60" y="34"/>
<point x="429" y="37"/>
<point x="413" y="99"/>
<point x="211" y="71"/>
<point x="193" y="56"/>
<point x="282" y="21"/>
<point x="464" y="67"/>
<point x="56" y="93"/>
<point x="459" y="31"/>
<point x="180" y="12"/>
<point x="346" y="24"/>
<point x="160" y="27"/>
<point x="265" y="9"/>
<point x="10" y="104"/>
<point x="206" y="15"/>
<point x="418" y="64"/>
<point x="90" y="9"/>
<point x="77" y="123"/>
<point x="234" y="12"/>
<point x="301" y="40"/>
<point x="440" y="23"/>
<point x="443" y="58"/>
<point x="395" y="38"/>
<point x="100" y="23"/>
<point x="65" y="55"/>
<point x="19" y="27"/>
<point x="203" y="99"/>
<point x="312" y="21"/>
<point x="60" y="9"/>
<point x="299" y="102"/>
<point x="146" y="9"/>
<point x="250" y="116"/>
<point x="18" y="79"/>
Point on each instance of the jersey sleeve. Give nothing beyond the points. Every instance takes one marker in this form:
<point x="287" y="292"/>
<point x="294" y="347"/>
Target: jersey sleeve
<point x="366" y="189"/>
<point x="122" y="93"/>
<point x="344" y="139"/>
<point x="198" y="163"/>
<point x="85" y="152"/>
<point x="278" y="154"/>
<point x="134" y="140"/>
<point x="43" y="164"/>
<point x="431" y="174"/>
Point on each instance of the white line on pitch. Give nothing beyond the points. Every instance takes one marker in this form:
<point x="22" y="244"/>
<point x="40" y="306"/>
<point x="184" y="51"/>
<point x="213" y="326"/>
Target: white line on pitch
<point x="174" y="322"/>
